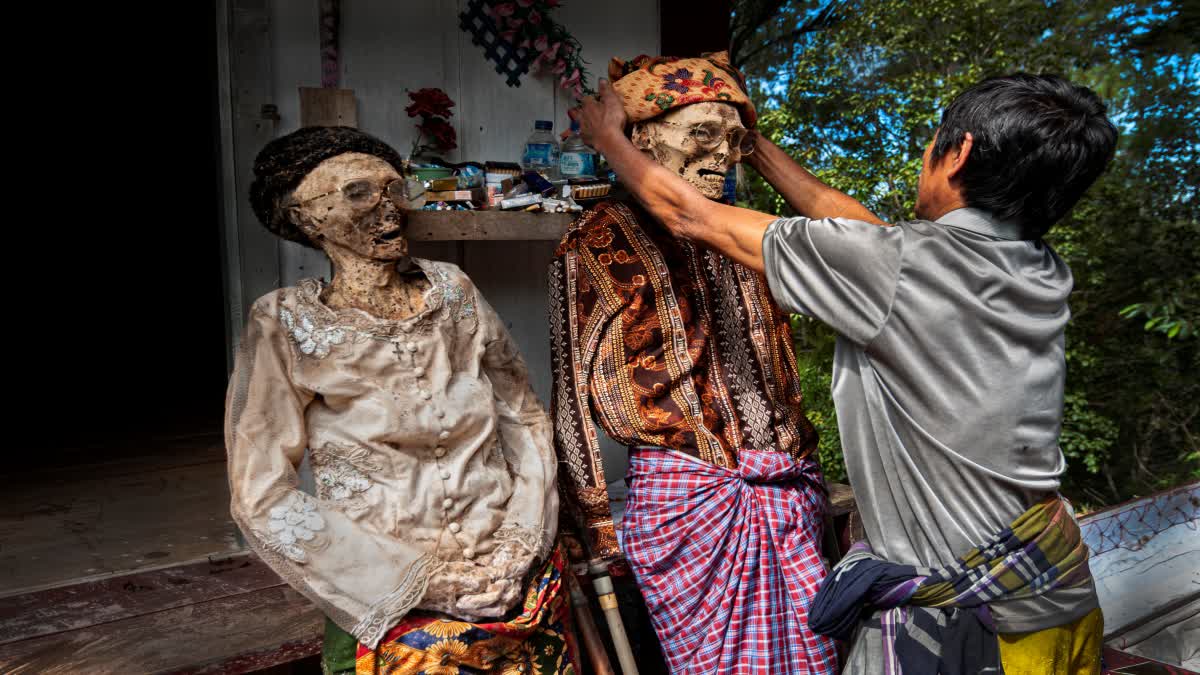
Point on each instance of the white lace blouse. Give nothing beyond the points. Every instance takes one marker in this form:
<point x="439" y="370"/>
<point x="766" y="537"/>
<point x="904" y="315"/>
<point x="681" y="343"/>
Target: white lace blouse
<point x="428" y="446"/>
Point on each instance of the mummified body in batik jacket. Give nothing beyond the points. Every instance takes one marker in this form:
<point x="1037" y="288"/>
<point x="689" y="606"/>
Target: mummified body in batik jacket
<point x="664" y="344"/>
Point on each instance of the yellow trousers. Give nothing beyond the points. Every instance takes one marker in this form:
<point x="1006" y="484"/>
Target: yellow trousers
<point x="1070" y="649"/>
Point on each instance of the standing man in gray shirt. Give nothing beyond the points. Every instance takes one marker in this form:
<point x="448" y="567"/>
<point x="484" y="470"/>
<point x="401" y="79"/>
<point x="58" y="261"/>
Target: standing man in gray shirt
<point x="948" y="375"/>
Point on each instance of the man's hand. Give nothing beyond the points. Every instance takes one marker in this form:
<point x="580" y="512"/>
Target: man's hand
<point x="601" y="116"/>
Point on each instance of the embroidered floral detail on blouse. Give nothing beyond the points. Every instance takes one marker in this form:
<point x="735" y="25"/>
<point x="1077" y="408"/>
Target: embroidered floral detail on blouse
<point x="314" y="322"/>
<point x="454" y="298"/>
<point x="293" y="522"/>
<point x="313" y="340"/>
<point x="530" y="540"/>
<point x="343" y="473"/>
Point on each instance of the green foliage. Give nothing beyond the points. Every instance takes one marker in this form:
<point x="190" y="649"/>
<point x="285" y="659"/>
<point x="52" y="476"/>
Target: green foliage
<point x="854" y="91"/>
<point x="814" y="354"/>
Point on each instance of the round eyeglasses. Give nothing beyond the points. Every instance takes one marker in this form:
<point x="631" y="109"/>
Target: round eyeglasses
<point x="364" y="193"/>
<point x="709" y="135"/>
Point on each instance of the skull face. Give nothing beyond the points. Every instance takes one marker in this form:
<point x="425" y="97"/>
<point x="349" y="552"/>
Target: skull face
<point x="698" y="141"/>
<point x="343" y="203"/>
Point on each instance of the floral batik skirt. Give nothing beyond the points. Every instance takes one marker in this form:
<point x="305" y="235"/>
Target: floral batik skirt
<point x="536" y="641"/>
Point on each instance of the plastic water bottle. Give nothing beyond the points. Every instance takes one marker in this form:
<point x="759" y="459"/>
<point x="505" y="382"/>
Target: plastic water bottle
<point x="541" y="150"/>
<point x="577" y="159"/>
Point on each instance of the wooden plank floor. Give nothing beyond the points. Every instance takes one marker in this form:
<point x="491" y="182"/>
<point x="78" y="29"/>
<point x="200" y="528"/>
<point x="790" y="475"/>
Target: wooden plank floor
<point x="131" y="563"/>
<point x="230" y="615"/>
<point x="166" y="505"/>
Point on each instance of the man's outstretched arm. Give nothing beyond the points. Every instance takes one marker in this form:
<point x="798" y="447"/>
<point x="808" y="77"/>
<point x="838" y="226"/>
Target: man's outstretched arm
<point x="735" y="232"/>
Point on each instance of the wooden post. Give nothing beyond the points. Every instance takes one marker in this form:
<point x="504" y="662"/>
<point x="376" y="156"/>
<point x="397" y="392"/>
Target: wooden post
<point x="589" y="634"/>
<point x="612" y="614"/>
<point x="327" y="105"/>
<point x="248" y="118"/>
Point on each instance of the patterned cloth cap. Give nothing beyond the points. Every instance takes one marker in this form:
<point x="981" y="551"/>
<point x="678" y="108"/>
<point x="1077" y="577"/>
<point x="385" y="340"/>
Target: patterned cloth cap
<point x="652" y="85"/>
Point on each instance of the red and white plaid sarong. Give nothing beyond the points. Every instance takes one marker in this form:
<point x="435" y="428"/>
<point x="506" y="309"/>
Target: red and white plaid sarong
<point x="728" y="560"/>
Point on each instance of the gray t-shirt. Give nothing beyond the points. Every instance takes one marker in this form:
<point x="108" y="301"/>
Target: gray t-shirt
<point x="948" y="378"/>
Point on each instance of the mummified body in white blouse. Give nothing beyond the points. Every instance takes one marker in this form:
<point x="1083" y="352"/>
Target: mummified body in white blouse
<point x="432" y="456"/>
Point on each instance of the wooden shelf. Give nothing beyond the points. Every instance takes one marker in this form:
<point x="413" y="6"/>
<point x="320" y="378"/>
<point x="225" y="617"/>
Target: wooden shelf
<point x="487" y="225"/>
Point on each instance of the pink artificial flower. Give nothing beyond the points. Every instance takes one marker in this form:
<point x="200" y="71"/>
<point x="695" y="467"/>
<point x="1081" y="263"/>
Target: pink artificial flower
<point x="525" y="3"/>
<point x="570" y="81"/>
<point x="535" y="18"/>
<point x="541" y="43"/>
<point x="508" y="35"/>
<point x="505" y="9"/>
<point x="560" y="67"/>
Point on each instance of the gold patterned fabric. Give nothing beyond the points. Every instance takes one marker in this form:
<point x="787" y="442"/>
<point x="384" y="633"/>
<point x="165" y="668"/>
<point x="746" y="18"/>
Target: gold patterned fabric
<point x="536" y="641"/>
<point x="665" y="344"/>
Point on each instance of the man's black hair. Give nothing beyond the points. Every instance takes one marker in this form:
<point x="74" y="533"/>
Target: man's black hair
<point x="1039" y="143"/>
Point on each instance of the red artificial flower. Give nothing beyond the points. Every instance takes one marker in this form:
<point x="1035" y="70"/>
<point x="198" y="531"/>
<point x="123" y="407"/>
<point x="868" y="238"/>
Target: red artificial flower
<point x="535" y="18"/>
<point x="429" y="102"/>
<point x="443" y="135"/>
<point x="505" y="9"/>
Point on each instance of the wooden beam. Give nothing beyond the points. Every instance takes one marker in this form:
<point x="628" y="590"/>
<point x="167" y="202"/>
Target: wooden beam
<point x="841" y="499"/>
<point x="486" y="225"/>
<point x="328" y="107"/>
